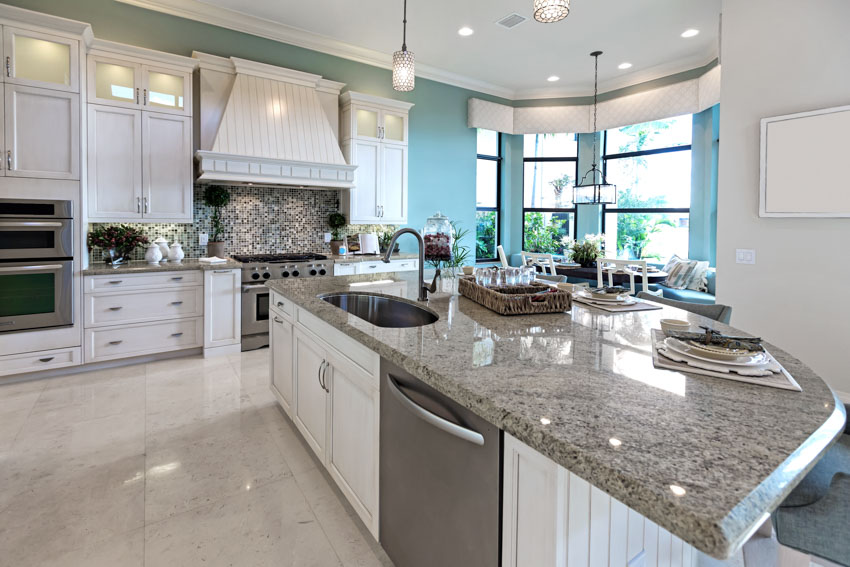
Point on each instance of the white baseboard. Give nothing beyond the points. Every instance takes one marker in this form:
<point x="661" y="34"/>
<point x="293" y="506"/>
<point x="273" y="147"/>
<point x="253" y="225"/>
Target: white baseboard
<point x="223" y="350"/>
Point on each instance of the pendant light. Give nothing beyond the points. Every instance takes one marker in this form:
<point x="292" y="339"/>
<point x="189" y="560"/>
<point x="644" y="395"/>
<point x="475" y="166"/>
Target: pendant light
<point x="550" y="11"/>
<point x="596" y="190"/>
<point x="403" y="74"/>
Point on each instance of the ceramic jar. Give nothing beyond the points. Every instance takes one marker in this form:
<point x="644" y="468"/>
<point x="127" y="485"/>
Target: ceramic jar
<point x="175" y="253"/>
<point x="153" y="254"/>
<point x="163" y="247"/>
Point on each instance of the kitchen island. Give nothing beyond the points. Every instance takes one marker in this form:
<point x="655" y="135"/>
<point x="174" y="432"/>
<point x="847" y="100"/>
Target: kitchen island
<point x="704" y="458"/>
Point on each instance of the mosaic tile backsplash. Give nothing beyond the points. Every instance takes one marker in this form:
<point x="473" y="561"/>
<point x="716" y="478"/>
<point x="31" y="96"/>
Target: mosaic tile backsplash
<point x="258" y="220"/>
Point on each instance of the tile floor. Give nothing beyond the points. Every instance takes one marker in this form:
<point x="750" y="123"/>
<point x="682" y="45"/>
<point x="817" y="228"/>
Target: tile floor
<point x="177" y="462"/>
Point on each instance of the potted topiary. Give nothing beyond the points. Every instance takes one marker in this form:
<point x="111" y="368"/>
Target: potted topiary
<point x="217" y="197"/>
<point x="337" y="222"/>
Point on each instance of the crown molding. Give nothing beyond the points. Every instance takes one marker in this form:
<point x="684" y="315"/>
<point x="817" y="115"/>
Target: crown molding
<point x="111" y="48"/>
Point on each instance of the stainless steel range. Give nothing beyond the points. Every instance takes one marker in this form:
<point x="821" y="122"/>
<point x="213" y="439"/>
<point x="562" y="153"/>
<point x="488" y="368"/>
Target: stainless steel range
<point x="259" y="268"/>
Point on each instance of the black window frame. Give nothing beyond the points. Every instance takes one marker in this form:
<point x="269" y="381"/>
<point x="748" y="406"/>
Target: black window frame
<point x="573" y="209"/>
<point x="606" y="157"/>
<point x="498" y="207"/>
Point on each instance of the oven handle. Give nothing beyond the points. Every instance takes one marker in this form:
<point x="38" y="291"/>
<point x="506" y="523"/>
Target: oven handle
<point x="451" y="428"/>
<point x="30" y="223"/>
<point x="40" y="267"/>
<point x="247" y="288"/>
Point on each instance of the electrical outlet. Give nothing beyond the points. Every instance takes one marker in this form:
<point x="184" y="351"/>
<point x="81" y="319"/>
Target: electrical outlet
<point x="203" y="239"/>
<point x="745" y="256"/>
<point x="327" y="237"/>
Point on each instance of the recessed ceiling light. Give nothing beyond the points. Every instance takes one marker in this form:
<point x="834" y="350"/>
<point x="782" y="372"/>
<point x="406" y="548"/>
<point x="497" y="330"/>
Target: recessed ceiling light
<point x="690" y="33"/>
<point x="465" y="31"/>
<point x="624" y="65"/>
<point x="553" y="78"/>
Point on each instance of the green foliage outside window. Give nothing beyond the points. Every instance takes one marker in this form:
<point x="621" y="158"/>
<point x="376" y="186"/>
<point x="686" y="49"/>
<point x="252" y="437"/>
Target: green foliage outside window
<point x="485" y="235"/>
<point x="542" y="237"/>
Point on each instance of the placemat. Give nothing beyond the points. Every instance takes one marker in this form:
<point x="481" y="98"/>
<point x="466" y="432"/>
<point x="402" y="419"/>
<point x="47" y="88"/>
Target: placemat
<point x="614" y="308"/>
<point x="782" y="379"/>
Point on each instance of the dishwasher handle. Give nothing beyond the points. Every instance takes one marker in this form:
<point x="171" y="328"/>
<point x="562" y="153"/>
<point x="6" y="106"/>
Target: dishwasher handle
<point x="451" y="428"/>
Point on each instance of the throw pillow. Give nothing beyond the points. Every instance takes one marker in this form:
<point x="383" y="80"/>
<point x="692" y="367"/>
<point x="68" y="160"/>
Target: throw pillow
<point x="698" y="280"/>
<point x="680" y="274"/>
<point x="670" y="263"/>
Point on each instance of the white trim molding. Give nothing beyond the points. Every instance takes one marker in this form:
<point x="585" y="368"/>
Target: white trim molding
<point x="214" y="166"/>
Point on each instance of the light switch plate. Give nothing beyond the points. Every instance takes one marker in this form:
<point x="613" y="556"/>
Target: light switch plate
<point x="203" y="239"/>
<point x="745" y="256"/>
<point x="327" y="237"/>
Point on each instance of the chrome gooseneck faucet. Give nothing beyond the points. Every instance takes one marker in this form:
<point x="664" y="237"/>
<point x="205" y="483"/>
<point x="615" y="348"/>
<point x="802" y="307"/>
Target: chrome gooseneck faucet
<point x="423" y="287"/>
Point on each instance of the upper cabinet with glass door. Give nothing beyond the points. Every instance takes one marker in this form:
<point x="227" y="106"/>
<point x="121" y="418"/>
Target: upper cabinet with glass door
<point x="367" y="117"/>
<point x="38" y="59"/>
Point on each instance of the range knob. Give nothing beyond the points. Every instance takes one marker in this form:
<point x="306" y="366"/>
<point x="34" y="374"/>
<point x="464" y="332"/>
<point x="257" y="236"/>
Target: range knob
<point x="295" y="273"/>
<point x="313" y="272"/>
<point x="266" y="275"/>
<point x="284" y="274"/>
<point x="255" y="276"/>
<point x="322" y="272"/>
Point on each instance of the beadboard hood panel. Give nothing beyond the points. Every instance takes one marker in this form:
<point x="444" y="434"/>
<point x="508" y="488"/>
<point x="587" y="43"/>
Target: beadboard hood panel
<point x="267" y="125"/>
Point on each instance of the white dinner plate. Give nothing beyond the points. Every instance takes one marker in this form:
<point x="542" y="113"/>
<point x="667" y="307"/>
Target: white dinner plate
<point x="757" y="359"/>
<point x="616" y="299"/>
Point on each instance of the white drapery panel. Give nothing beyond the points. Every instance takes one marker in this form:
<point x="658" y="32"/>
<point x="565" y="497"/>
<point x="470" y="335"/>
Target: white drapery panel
<point x="686" y="97"/>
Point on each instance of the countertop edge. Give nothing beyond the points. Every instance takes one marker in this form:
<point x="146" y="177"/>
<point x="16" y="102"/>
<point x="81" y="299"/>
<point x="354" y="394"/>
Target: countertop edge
<point x="143" y="267"/>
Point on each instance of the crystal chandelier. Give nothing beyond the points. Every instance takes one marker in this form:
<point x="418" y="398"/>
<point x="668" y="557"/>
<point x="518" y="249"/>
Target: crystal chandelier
<point x="403" y="74"/>
<point x="593" y="192"/>
<point x="549" y="11"/>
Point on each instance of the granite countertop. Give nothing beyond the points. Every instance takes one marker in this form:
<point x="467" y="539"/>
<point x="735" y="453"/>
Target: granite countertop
<point x="348" y="258"/>
<point x="141" y="266"/>
<point x="565" y="384"/>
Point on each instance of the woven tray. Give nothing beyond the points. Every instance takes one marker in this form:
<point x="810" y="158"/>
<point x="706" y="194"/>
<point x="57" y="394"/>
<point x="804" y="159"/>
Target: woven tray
<point x="515" y="300"/>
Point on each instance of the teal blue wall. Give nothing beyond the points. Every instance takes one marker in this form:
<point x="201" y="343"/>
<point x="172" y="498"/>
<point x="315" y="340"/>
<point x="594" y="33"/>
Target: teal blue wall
<point x="702" y="240"/>
<point x="442" y="149"/>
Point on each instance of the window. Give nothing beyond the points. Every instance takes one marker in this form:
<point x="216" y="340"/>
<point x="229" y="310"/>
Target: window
<point x="651" y="165"/>
<point x="488" y="194"/>
<point x="550" y="166"/>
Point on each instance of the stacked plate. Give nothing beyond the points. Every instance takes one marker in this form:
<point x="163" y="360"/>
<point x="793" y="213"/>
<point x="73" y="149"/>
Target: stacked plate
<point x="718" y="358"/>
<point x="609" y="299"/>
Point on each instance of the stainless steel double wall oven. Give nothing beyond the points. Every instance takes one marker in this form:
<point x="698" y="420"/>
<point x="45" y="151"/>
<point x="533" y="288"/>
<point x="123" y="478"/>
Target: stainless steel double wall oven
<point x="36" y="264"/>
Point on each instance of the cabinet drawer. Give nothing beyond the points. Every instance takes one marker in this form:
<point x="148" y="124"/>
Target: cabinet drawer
<point x="404" y="265"/>
<point x="43" y="360"/>
<point x="138" y="307"/>
<point x="376" y="267"/>
<point x="345" y="269"/>
<point x="106" y="343"/>
<point x="142" y="281"/>
<point x="281" y="304"/>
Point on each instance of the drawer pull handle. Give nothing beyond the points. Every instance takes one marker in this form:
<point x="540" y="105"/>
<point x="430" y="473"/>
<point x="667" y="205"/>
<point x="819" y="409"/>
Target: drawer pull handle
<point x="177" y="278"/>
<point x="116" y="308"/>
<point x="176" y="303"/>
<point x="115" y="342"/>
<point x="47" y="359"/>
<point x="221" y="271"/>
<point x="176" y="334"/>
<point x="280" y="304"/>
<point x="277" y="320"/>
<point x="116" y="282"/>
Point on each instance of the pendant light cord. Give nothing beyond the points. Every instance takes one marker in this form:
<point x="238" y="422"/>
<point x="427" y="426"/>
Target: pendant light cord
<point x="595" y="55"/>
<point x="404" y="33"/>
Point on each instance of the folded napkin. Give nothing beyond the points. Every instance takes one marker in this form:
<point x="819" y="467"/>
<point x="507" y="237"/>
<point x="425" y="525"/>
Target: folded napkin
<point x="212" y="260"/>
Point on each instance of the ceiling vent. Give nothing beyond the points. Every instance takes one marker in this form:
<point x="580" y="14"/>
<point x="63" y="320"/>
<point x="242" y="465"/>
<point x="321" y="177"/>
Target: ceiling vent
<point x="511" y="21"/>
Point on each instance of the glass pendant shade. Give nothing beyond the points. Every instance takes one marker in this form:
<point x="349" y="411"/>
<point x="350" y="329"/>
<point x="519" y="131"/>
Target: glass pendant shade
<point x="403" y="70"/>
<point x="549" y="11"/>
<point x="596" y="192"/>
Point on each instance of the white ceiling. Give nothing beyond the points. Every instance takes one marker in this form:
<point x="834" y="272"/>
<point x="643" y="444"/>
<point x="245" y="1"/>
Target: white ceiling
<point x="513" y="63"/>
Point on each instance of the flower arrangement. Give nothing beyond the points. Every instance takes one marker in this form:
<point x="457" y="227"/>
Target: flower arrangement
<point x="117" y="241"/>
<point x="586" y="251"/>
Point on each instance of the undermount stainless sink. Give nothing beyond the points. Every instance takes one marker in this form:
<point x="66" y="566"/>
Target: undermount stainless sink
<point x="382" y="311"/>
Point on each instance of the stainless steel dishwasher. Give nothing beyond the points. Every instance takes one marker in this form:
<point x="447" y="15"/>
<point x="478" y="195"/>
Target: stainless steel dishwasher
<point x="440" y="482"/>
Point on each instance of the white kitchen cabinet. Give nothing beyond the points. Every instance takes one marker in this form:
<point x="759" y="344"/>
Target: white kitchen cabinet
<point x="166" y="167"/>
<point x="222" y="309"/>
<point x="281" y="352"/>
<point x="42" y="133"/>
<point x="345" y="268"/>
<point x="552" y="517"/>
<point x="374" y="135"/>
<point x="114" y="162"/>
<point x="128" y="82"/>
<point x="311" y="400"/>
<point x="39" y="59"/>
<point x="380" y="267"/>
<point x="352" y="454"/>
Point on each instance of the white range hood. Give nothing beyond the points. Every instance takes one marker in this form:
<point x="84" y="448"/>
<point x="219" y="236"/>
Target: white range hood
<point x="266" y="125"/>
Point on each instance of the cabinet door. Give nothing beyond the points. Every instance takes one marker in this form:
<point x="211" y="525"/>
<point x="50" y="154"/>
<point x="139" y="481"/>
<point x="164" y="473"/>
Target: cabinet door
<point x="114" y="82"/>
<point x="42" y="133"/>
<point x="393" y="200"/>
<point x="364" y="195"/>
<point x="115" y="162"/>
<point x="367" y="123"/>
<point x="222" y="308"/>
<point x="281" y="360"/>
<point x="353" y="447"/>
<point x="311" y="400"/>
<point x="394" y="126"/>
<point x="41" y="60"/>
<point x="166" y="167"/>
<point x="165" y="90"/>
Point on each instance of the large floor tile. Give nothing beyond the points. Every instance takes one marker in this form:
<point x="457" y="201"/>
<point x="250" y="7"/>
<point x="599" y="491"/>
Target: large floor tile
<point x="295" y="450"/>
<point x="270" y="525"/>
<point x="124" y="550"/>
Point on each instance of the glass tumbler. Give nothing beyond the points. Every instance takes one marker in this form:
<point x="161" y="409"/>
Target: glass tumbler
<point x="512" y="276"/>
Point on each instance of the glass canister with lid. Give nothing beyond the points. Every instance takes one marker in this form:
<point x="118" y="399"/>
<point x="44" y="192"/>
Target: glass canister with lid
<point x="437" y="235"/>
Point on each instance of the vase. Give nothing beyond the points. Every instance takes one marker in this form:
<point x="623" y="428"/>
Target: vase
<point x="163" y="247"/>
<point x="215" y="249"/>
<point x="336" y="245"/>
<point x="175" y="253"/>
<point x="115" y="257"/>
<point x="449" y="280"/>
<point x="153" y="254"/>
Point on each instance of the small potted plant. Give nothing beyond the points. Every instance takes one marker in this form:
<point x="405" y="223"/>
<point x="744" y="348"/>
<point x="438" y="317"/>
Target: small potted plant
<point x="384" y="240"/>
<point x="116" y="241"/>
<point x="585" y="252"/>
<point x="217" y="197"/>
<point x="337" y="222"/>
